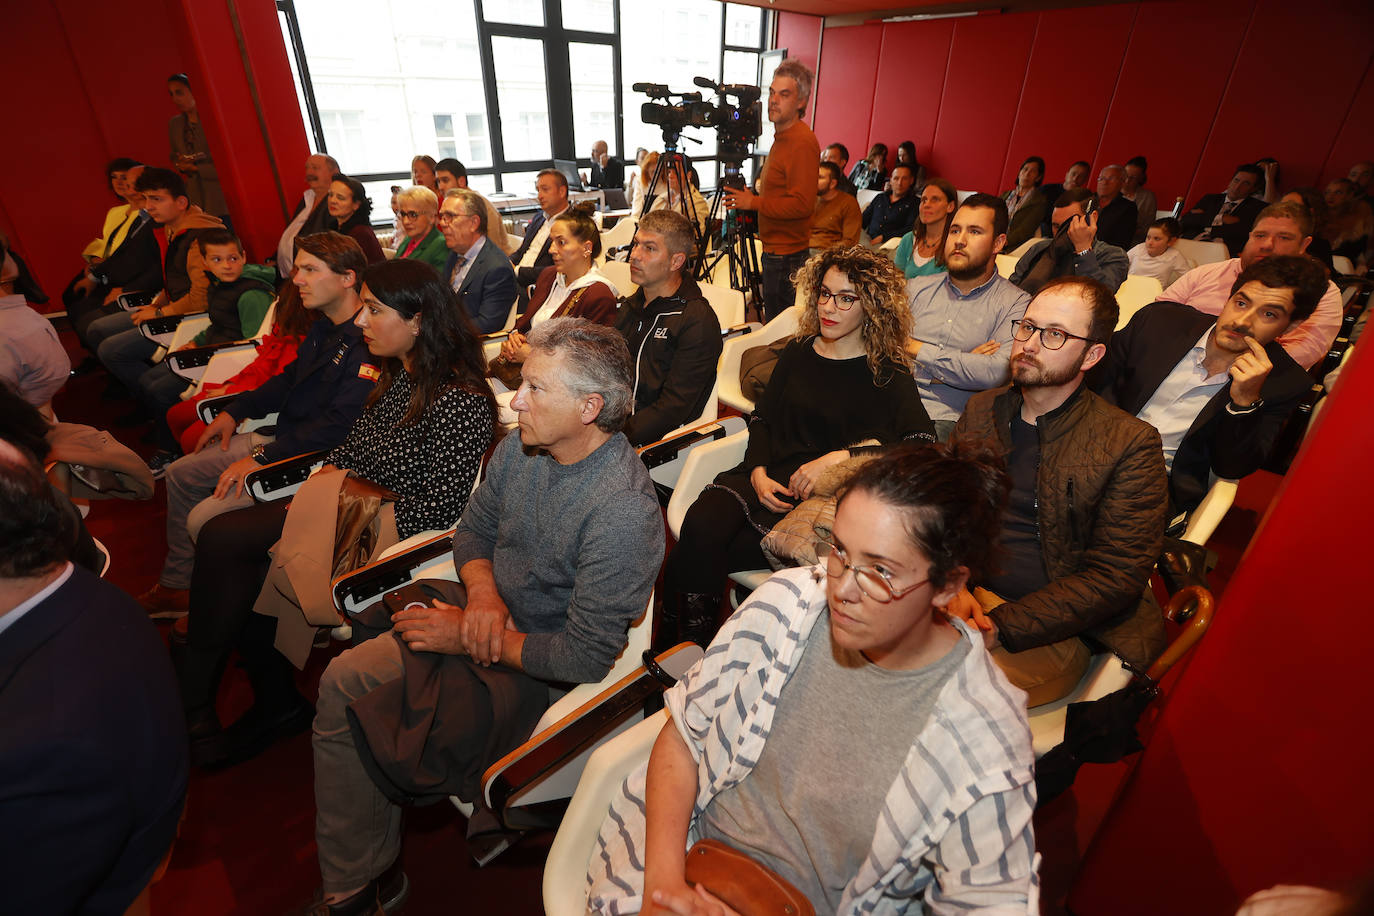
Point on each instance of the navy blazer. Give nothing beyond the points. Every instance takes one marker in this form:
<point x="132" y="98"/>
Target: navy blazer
<point x="1141" y="356"/>
<point x="488" y="290"/>
<point x="528" y="276"/>
<point x="1233" y="234"/>
<point x="93" y="752"/>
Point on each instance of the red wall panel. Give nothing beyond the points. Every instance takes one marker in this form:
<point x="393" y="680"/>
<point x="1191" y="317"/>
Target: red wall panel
<point x="987" y="67"/>
<point x="1164" y="106"/>
<point x="801" y="36"/>
<point x="1355" y="142"/>
<point x="913" y="64"/>
<point x="1257" y="772"/>
<point x="1070" y="59"/>
<point x="848" y="72"/>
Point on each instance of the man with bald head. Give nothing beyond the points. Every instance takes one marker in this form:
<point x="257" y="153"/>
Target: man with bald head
<point x="608" y="172"/>
<point x="1116" y="216"/>
<point x="310" y="214"/>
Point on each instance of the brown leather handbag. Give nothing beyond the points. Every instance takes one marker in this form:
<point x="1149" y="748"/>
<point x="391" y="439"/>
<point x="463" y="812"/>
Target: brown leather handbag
<point x="743" y="884"/>
<point x="355" y="530"/>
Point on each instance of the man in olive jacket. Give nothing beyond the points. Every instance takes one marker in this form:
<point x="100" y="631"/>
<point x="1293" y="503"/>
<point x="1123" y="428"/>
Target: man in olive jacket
<point x="1089" y="498"/>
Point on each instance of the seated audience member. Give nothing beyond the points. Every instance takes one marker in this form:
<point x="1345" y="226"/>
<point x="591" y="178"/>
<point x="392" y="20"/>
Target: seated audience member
<point x="891" y="215"/>
<point x="275" y="350"/>
<point x="312" y="212"/>
<point x="961" y="322"/>
<point x="1349" y="221"/>
<point x="1076" y="177"/>
<point x="119" y="219"/>
<point x="1085" y="523"/>
<point x="316" y="398"/>
<point x="350" y="212"/>
<point x="185" y="283"/>
<point x="422" y="173"/>
<point x="33" y="361"/>
<point x="1362" y="176"/>
<point x="870" y="174"/>
<point x="556" y="555"/>
<point x="1072" y="250"/>
<point x="1281" y="228"/>
<point x="239" y="298"/>
<point x="672" y="332"/>
<point x="668" y="195"/>
<point x="1134" y="190"/>
<point x="838" y="153"/>
<point x="134" y="266"/>
<point x="837" y="220"/>
<point x="417" y="213"/>
<point x="427" y="424"/>
<point x="92" y="750"/>
<point x="1026" y="203"/>
<point x="906" y="155"/>
<point x="477" y="271"/>
<point x="450" y="174"/>
<point x="608" y="172"/>
<point x="1218" y="389"/>
<point x="1156" y="256"/>
<point x="1315" y="202"/>
<point x="530" y="259"/>
<point x="1226" y="217"/>
<point x="571" y="286"/>
<point x="844" y="380"/>
<point x="921" y="252"/>
<point x="759" y="751"/>
<point x="1116" y="216"/>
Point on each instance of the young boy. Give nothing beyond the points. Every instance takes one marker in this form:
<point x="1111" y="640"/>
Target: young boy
<point x="1156" y="256"/>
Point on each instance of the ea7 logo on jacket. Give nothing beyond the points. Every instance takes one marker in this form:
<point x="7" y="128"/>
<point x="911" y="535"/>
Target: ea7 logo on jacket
<point x="660" y="334"/>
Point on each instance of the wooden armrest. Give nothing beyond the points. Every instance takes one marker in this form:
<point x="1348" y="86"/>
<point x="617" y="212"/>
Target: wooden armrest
<point x="265" y="484"/>
<point x="130" y="301"/>
<point x="200" y="356"/>
<point x="366" y="585"/>
<point x="511" y="779"/>
<point x="209" y="408"/>
<point x="671" y="447"/>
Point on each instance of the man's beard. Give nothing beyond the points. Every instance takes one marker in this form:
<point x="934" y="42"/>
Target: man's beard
<point x="971" y="272"/>
<point x="1038" y="376"/>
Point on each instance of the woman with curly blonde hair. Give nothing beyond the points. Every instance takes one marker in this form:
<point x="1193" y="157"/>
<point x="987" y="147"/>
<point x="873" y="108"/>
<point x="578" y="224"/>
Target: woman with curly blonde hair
<point x="841" y="384"/>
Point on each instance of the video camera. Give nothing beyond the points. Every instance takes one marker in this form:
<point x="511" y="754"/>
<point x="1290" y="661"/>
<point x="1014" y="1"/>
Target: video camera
<point x="738" y="125"/>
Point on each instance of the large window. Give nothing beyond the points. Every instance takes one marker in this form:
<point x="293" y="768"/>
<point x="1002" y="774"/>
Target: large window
<point x="505" y="86"/>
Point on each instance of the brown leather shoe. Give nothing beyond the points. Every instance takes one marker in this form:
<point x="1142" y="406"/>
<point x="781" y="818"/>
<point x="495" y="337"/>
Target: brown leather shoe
<point x="166" y="603"/>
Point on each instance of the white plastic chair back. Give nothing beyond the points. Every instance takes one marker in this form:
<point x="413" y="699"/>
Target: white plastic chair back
<point x="1342" y="264"/>
<point x="186" y="330"/>
<point x="619" y="235"/>
<point x="1105" y="675"/>
<point x="700" y="468"/>
<point x="728" y="303"/>
<point x="1136" y="293"/>
<point x="618" y="272"/>
<point x="1021" y="249"/>
<point x="784" y="325"/>
<point x="1005" y="265"/>
<point x="1201" y="253"/>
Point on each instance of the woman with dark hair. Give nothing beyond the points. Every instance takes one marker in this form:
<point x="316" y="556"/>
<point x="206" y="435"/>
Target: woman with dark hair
<point x="922" y="250"/>
<point x="870" y="173"/>
<point x="906" y="155"/>
<point x="1349" y="221"/>
<point x="119" y="221"/>
<point x="1026" y="203"/>
<point x="572" y="287"/>
<point x="1133" y="189"/>
<point x="350" y="212"/>
<point x="191" y="151"/>
<point x="422" y="435"/>
<point x="844" y="731"/>
<point x="842" y="383"/>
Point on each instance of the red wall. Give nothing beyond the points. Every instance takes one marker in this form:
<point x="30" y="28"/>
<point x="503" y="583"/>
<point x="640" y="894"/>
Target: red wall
<point x="93" y="87"/>
<point x="801" y="36"/>
<point x="1258" y="770"/>
<point x="1196" y="86"/>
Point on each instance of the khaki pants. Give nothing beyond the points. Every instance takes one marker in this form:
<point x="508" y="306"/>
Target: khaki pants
<point x="1046" y="673"/>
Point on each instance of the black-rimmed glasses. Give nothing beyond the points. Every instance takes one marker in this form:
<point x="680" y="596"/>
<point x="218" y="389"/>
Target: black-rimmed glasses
<point x="1050" y="338"/>
<point x="843" y="301"/>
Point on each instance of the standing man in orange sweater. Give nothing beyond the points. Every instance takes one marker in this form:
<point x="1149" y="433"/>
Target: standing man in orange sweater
<point x="788" y="183"/>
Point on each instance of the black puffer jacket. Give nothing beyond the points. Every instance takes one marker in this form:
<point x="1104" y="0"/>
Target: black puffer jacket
<point x="1103" y="498"/>
<point x="674" y="345"/>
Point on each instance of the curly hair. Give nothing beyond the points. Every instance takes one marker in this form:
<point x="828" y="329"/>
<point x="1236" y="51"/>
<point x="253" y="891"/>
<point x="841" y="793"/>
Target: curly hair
<point x="881" y="288"/>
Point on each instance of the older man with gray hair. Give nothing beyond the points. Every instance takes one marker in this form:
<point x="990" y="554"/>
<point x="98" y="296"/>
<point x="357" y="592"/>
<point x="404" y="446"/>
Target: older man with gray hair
<point x="556" y="555"/>
<point x="478" y="270"/>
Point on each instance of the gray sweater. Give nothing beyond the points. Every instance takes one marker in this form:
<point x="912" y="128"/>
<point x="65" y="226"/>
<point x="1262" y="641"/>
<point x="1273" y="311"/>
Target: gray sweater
<point x="574" y="550"/>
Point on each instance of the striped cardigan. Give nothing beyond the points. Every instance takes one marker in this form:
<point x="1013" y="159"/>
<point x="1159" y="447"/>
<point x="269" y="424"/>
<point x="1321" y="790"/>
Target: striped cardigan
<point x="954" y="833"/>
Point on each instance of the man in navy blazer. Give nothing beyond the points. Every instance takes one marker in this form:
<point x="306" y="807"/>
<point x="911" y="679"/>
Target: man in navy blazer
<point x="1218" y="389"/>
<point x="1226" y="217"/>
<point x="93" y="755"/>
<point x="530" y="259"/>
<point x="477" y="270"/>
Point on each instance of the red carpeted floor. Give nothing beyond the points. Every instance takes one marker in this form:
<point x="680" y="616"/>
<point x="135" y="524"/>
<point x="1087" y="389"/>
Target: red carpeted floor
<point x="247" y="842"/>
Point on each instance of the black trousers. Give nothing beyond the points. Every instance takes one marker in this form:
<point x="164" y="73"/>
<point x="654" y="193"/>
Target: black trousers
<point x="231" y="564"/>
<point x="779" y="293"/>
<point x="717" y="538"/>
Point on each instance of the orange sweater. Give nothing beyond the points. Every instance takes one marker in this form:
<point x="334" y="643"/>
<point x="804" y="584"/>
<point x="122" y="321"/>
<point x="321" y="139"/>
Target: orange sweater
<point x="789" y="190"/>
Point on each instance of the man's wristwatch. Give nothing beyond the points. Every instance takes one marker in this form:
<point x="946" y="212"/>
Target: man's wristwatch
<point x="257" y="454"/>
<point x="1250" y="408"/>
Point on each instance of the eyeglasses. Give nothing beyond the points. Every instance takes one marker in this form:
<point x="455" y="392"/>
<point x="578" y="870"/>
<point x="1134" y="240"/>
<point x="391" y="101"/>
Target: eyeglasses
<point x="1050" y="338"/>
<point x="446" y="217"/>
<point x="872" y="581"/>
<point x="843" y="301"/>
<point x="408" y="214"/>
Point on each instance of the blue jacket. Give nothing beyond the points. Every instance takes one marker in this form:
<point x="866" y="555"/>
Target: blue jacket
<point x="488" y="290"/>
<point x="318" y="395"/>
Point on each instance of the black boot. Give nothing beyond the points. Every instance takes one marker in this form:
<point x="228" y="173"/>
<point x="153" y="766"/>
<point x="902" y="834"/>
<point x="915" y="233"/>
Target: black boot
<point x="687" y="617"/>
